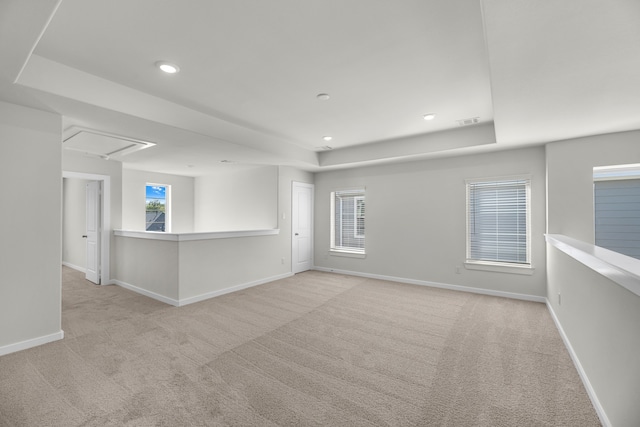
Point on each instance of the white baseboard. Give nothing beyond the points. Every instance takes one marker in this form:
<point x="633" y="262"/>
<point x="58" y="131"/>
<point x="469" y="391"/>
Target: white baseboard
<point x="185" y="301"/>
<point x="235" y="288"/>
<point x="481" y="291"/>
<point x="34" y="342"/>
<point x="146" y="293"/>
<point x="583" y="375"/>
<point x="75" y="267"/>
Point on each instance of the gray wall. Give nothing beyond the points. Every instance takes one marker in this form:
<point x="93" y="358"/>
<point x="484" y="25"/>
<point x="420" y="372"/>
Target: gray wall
<point x="133" y="199"/>
<point x="416" y="221"/>
<point x="30" y="247"/>
<point x="74" y="220"/>
<point x="599" y="317"/>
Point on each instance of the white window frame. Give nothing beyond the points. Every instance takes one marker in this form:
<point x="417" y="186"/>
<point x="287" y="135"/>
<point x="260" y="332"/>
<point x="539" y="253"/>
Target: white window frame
<point x="167" y="206"/>
<point x="500" y="266"/>
<point x="347" y="251"/>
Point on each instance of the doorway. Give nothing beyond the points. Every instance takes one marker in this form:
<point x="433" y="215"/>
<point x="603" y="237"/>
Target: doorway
<point x="100" y="267"/>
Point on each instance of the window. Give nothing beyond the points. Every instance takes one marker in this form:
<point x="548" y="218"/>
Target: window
<point x="498" y="222"/>
<point x="348" y="221"/>
<point x="360" y="217"/>
<point x="617" y="208"/>
<point x="157" y="208"/>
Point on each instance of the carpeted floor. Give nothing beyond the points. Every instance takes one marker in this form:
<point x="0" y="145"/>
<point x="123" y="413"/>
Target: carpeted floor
<point x="316" y="349"/>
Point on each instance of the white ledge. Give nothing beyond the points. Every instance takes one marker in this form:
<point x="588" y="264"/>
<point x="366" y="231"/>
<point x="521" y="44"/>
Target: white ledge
<point x="622" y="269"/>
<point x="186" y="237"/>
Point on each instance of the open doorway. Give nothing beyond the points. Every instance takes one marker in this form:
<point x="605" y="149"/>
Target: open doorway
<point x="77" y="247"/>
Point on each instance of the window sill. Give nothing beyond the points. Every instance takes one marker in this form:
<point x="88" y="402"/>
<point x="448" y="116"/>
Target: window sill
<point x="347" y="254"/>
<point x="497" y="267"/>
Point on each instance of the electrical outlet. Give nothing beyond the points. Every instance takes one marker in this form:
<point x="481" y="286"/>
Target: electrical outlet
<point x="458" y="269"/>
<point x="559" y="299"/>
<point x="282" y="260"/>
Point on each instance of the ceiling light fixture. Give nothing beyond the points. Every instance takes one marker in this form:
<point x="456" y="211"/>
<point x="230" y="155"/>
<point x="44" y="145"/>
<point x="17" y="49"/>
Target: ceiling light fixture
<point x="323" y="96"/>
<point x="327" y="138"/>
<point x="429" y="116"/>
<point x="167" y="67"/>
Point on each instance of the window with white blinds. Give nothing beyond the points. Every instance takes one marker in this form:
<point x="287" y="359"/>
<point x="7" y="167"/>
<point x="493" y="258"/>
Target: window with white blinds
<point x="498" y="221"/>
<point x="617" y="215"/>
<point x="348" y="221"/>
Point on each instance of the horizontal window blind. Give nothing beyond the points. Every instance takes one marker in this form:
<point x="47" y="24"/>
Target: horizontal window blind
<point x="497" y="221"/>
<point x="617" y="216"/>
<point x="348" y="221"/>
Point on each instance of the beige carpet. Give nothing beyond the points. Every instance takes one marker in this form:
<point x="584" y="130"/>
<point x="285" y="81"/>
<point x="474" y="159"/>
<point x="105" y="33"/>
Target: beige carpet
<point x="316" y="349"/>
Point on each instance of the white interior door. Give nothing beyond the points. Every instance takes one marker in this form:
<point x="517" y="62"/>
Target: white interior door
<point x="301" y="227"/>
<point x="93" y="232"/>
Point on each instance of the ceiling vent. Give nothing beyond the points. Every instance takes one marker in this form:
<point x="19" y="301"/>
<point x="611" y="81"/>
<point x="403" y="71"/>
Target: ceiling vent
<point x="467" y="122"/>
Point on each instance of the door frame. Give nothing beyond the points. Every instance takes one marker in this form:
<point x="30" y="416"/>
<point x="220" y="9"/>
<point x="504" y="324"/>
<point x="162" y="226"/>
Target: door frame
<point x="105" y="213"/>
<point x="295" y="184"/>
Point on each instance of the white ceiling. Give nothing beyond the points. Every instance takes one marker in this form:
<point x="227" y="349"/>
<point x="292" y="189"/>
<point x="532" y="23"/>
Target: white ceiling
<point x="531" y="71"/>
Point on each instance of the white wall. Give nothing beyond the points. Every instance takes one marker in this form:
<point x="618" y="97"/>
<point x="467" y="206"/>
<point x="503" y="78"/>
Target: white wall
<point x="599" y="317"/>
<point x="133" y="199"/>
<point x="74" y="219"/>
<point x="208" y="266"/>
<point x="237" y="199"/>
<point x="30" y="218"/>
<point x="416" y="221"/>
<point x="182" y="270"/>
<point x="151" y="265"/>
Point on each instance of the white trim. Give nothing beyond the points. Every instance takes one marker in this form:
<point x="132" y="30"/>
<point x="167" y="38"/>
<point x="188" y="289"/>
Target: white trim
<point x="75" y="267"/>
<point x="583" y="375"/>
<point x="499" y="267"/>
<point x="622" y="269"/>
<point x="34" y="342"/>
<point x="201" y="297"/>
<point x="187" y="237"/>
<point x="147" y="293"/>
<point x="481" y="291"/>
<point x="105" y="248"/>
<point x="348" y="254"/>
<point x="212" y="294"/>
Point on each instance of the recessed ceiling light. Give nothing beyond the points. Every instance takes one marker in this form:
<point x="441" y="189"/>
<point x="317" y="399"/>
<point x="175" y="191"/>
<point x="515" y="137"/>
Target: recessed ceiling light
<point x="429" y="116"/>
<point x="323" y="96"/>
<point x="327" y="138"/>
<point x="167" y="67"/>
